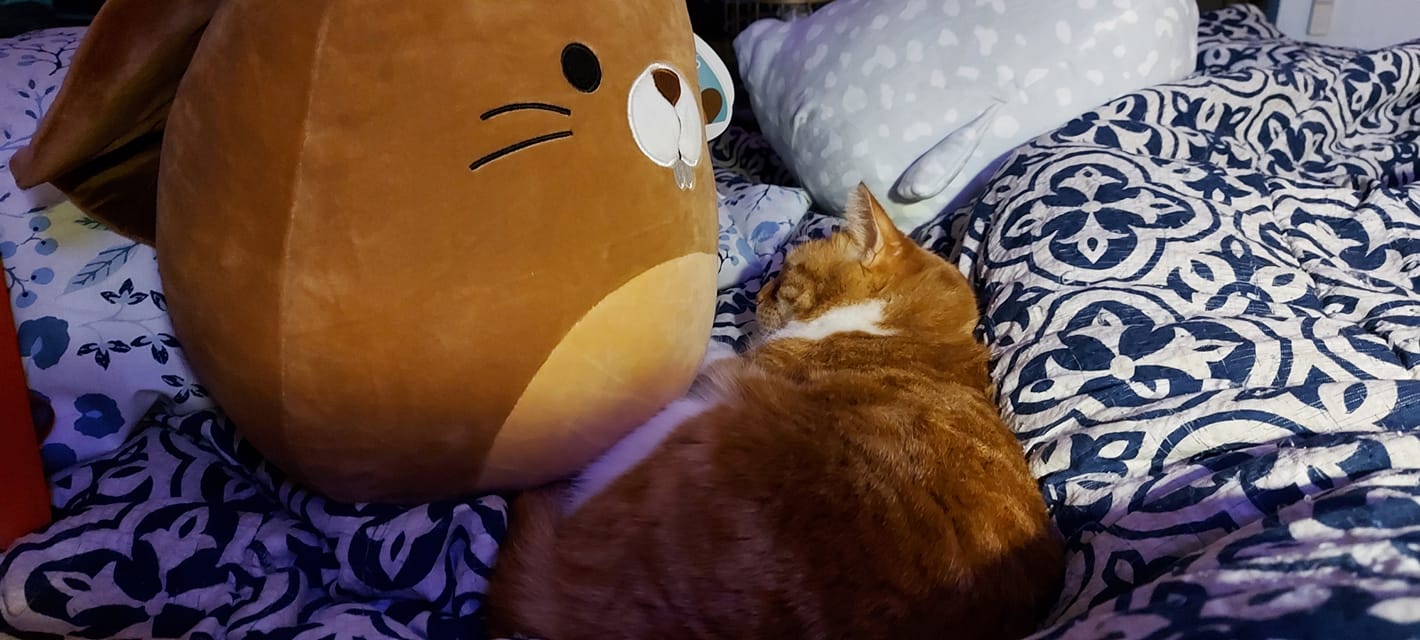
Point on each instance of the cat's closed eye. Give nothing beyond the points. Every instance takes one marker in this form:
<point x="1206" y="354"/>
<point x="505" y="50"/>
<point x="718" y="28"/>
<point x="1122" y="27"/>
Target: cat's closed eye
<point x="792" y="289"/>
<point x="769" y="291"/>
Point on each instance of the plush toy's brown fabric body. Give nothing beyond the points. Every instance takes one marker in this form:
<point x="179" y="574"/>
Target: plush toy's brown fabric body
<point x="418" y="249"/>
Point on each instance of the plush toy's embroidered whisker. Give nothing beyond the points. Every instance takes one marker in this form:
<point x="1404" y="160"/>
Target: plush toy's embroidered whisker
<point x="514" y="148"/>
<point x="525" y="106"/>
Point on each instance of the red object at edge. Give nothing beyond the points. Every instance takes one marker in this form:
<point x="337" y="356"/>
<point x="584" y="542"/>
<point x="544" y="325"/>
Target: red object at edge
<point x="24" y="494"/>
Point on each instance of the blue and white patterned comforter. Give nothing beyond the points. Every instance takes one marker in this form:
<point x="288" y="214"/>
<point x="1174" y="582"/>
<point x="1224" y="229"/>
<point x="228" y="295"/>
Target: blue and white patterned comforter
<point x="1204" y="301"/>
<point x="1204" y="304"/>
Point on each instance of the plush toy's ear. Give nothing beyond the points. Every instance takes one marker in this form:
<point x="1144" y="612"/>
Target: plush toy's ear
<point x="100" y="140"/>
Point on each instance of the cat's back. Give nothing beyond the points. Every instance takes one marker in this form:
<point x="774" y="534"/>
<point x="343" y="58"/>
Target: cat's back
<point x="819" y="503"/>
<point x="900" y="492"/>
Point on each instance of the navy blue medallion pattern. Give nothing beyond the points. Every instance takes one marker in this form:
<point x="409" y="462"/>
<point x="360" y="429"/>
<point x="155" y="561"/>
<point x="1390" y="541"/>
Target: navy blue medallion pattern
<point x="186" y="533"/>
<point x="1204" y="304"/>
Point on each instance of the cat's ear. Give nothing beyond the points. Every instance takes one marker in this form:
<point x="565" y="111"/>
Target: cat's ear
<point x="868" y="224"/>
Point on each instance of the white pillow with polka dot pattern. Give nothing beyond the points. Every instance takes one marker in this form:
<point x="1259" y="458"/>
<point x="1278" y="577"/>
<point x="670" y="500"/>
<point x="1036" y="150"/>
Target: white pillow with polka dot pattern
<point x="919" y="98"/>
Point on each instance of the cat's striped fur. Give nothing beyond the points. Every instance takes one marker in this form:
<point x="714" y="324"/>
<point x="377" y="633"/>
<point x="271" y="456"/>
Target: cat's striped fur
<point x="848" y="477"/>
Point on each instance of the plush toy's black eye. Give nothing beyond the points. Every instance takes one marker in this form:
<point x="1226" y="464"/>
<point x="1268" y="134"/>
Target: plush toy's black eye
<point x="581" y="67"/>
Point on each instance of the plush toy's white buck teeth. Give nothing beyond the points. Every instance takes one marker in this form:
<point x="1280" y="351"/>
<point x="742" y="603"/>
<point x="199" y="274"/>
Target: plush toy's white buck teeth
<point x="666" y="122"/>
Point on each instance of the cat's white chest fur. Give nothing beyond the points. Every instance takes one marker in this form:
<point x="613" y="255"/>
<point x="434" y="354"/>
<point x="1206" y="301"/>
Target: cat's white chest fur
<point x="865" y="317"/>
<point x="632" y="449"/>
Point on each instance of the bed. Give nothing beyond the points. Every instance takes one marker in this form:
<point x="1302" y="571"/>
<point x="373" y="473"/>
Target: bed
<point x="1203" y="301"/>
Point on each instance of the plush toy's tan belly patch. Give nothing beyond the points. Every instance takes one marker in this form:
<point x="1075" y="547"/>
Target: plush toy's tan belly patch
<point x="627" y="357"/>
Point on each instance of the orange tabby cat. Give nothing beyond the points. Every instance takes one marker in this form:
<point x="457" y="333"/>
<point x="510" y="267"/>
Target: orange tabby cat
<point x="848" y="477"/>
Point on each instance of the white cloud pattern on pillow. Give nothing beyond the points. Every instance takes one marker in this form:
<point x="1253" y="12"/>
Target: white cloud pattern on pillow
<point x="869" y="89"/>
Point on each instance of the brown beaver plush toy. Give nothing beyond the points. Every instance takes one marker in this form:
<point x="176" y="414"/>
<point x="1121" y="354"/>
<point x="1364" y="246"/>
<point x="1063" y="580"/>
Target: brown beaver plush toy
<point x="415" y="249"/>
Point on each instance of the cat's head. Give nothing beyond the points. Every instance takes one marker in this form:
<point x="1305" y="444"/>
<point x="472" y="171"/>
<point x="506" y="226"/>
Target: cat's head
<point x="872" y="265"/>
